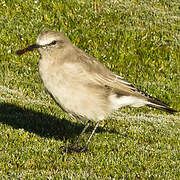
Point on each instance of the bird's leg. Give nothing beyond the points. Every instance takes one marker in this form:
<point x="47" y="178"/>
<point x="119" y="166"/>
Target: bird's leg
<point x="86" y="145"/>
<point x="75" y="147"/>
<point x="83" y="131"/>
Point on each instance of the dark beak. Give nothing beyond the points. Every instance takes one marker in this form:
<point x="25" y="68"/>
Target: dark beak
<point x="29" y="48"/>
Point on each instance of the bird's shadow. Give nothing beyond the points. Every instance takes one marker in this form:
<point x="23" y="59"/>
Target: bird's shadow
<point x="42" y="124"/>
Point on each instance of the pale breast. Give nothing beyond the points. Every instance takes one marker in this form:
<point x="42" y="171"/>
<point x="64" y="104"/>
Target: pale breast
<point x="69" y="86"/>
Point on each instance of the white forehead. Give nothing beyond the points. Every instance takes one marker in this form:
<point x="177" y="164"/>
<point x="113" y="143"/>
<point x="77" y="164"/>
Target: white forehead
<point x="46" y="37"/>
<point x="43" y="40"/>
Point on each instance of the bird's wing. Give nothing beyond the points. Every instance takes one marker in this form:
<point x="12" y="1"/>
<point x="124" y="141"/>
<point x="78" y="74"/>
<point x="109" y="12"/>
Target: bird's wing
<point x="104" y="77"/>
<point x="117" y="85"/>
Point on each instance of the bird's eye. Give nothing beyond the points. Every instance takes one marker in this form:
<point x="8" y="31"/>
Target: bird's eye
<point x="53" y="42"/>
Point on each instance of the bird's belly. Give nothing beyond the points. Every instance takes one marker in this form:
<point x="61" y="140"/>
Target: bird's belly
<point x="74" y="97"/>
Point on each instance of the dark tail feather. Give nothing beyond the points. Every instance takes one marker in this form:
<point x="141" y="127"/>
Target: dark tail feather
<point x="164" y="108"/>
<point x="158" y="104"/>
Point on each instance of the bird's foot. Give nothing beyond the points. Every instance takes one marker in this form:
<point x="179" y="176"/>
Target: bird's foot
<point x="71" y="149"/>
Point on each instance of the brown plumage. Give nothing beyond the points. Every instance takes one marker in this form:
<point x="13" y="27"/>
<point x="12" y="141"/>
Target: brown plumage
<point x="81" y="85"/>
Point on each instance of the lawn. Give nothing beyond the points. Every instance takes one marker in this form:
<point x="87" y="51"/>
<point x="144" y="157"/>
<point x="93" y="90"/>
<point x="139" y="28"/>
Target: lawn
<point x="139" y="40"/>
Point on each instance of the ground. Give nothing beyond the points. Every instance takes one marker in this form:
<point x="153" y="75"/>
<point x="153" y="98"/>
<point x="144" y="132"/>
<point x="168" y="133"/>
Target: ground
<point x="139" y="40"/>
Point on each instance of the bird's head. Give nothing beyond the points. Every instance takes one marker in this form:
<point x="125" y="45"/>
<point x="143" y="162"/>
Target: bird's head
<point x="47" y="41"/>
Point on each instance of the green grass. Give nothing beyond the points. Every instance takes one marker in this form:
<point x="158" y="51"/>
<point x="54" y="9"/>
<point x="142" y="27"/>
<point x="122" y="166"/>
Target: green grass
<point x="139" y="40"/>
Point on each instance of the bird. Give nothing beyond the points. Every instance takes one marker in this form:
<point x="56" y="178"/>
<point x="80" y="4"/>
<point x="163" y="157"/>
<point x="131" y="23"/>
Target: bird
<point x="82" y="86"/>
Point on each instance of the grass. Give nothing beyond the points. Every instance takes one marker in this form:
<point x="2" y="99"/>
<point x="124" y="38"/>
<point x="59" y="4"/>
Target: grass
<point x="139" y="40"/>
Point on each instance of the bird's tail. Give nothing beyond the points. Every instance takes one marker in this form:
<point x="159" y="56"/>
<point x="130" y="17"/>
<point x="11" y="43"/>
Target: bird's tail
<point x="158" y="104"/>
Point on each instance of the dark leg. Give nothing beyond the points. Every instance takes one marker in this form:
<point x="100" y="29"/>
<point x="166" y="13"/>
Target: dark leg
<point x="83" y="131"/>
<point x="86" y="145"/>
<point x="75" y="147"/>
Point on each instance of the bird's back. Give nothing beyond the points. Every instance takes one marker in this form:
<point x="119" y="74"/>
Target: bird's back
<point x="84" y="87"/>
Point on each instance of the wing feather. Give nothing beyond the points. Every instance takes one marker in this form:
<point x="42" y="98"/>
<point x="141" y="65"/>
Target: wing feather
<point x="100" y="75"/>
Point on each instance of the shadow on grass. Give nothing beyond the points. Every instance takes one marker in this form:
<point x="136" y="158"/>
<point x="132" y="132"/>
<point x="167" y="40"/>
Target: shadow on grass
<point x="42" y="124"/>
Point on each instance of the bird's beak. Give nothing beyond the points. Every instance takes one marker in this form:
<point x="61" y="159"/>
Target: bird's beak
<point x="29" y="48"/>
